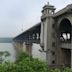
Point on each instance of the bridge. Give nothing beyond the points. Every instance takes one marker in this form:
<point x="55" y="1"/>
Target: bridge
<point x="31" y="35"/>
<point x="53" y="33"/>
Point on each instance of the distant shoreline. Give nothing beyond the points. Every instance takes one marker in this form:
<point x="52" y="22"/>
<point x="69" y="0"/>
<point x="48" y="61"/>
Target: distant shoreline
<point x="6" y="40"/>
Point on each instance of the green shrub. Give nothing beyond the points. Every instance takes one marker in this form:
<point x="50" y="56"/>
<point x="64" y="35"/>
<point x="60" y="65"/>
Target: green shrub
<point x="34" y="64"/>
<point x="26" y="63"/>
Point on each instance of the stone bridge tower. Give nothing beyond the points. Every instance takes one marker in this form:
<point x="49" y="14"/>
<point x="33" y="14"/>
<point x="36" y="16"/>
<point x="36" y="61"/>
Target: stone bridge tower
<point x="56" y="35"/>
<point x="47" y="22"/>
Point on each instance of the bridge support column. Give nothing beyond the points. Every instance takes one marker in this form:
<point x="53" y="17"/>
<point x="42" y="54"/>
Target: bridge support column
<point x="47" y="23"/>
<point x="23" y="47"/>
<point x="48" y="40"/>
<point x="71" y="48"/>
<point x="18" y="47"/>
<point x="71" y="55"/>
<point x="42" y="35"/>
<point x="29" y="48"/>
<point x="71" y="51"/>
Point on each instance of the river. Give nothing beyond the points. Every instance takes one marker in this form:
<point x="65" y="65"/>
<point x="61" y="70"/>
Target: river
<point x="9" y="48"/>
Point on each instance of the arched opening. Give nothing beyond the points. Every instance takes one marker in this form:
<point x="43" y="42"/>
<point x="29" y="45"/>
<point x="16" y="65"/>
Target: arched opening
<point x="65" y="38"/>
<point x="65" y="30"/>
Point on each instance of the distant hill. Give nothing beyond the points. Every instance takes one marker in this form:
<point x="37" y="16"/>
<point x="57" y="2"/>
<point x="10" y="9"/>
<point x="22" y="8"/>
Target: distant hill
<point x="6" y="40"/>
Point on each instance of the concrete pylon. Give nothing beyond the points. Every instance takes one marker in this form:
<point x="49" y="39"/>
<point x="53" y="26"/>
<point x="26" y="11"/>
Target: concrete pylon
<point x="29" y="48"/>
<point x="46" y="25"/>
<point x="71" y="42"/>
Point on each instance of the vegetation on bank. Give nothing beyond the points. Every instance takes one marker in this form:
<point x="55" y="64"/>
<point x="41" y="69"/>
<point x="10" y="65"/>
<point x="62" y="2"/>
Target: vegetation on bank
<point x="26" y="63"/>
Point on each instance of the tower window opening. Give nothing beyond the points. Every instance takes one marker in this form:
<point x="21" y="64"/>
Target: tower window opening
<point x="65" y="36"/>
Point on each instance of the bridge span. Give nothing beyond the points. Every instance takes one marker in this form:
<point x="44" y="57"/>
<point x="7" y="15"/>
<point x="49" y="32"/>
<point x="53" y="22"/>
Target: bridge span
<point x="31" y="35"/>
<point x="53" y="33"/>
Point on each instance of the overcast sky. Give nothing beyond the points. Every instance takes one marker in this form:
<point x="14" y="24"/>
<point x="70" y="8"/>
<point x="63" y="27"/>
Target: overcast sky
<point x="16" y="15"/>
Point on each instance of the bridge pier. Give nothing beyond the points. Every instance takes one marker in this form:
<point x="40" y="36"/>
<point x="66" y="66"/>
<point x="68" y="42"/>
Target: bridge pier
<point x="19" y="47"/>
<point x="28" y="48"/>
<point x="71" y="55"/>
<point x="23" y="47"/>
<point x="46" y="24"/>
<point x="71" y="49"/>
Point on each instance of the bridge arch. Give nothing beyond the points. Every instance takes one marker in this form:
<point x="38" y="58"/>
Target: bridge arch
<point x="64" y="30"/>
<point x="59" y="19"/>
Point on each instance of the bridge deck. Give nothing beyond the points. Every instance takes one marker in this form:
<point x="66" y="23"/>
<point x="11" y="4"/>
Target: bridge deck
<point x="31" y="35"/>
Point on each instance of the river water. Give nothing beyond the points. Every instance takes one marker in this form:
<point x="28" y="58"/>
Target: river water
<point x="9" y="48"/>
